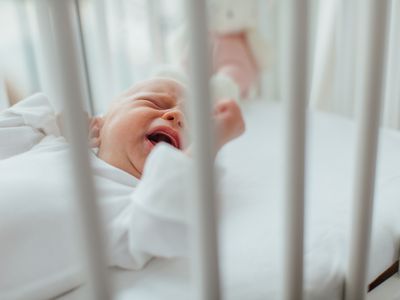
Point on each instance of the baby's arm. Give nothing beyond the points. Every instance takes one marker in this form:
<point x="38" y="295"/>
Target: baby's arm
<point x="25" y="124"/>
<point x="155" y="223"/>
<point x="229" y="123"/>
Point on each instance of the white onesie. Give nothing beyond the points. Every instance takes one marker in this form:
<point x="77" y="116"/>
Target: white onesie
<point x="143" y="218"/>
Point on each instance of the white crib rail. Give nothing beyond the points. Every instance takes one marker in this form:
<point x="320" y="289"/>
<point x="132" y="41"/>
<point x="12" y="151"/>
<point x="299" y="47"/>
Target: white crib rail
<point x="392" y="88"/>
<point x="369" y="93"/>
<point x="205" y="270"/>
<point x="345" y="54"/>
<point x="107" y="75"/>
<point x="205" y="243"/>
<point x="156" y="36"/>
<point x="64" y="24"/>
<point x="48" y="75"/>
<point x="296" y="74"/>
<point x="29" y="55"/>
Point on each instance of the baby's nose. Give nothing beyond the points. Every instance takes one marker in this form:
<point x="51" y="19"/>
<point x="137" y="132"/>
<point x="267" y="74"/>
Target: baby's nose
<point x="174" y="116"/>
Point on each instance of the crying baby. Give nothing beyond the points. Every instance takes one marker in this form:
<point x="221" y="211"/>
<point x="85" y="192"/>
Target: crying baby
<point x="141" y="171"/>
<point x="151" y="112"/>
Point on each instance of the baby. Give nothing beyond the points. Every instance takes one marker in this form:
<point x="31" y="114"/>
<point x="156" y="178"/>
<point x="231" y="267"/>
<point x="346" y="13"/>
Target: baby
<point x="153" y="111"/>
<point x="142" y="172"/>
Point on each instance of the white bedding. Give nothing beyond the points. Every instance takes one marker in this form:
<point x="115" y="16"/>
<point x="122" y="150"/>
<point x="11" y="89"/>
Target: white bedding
<point x="39" y="253"/>
<point x="252" y="216"/>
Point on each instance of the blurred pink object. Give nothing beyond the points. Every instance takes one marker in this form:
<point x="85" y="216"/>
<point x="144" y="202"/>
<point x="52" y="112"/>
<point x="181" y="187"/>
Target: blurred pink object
<point x="233" y="57"/>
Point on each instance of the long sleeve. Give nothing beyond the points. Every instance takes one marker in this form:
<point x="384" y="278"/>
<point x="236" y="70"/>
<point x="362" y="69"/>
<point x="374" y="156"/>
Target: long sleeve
<point x="25" y="124"/>
<point x="155" y="222"/>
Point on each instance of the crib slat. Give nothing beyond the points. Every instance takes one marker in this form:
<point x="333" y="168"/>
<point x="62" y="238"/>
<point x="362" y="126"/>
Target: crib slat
<point x="369" y="95"/>
<point x="392" y="88"/>
<point x="156" y="35"/>
<point x="347" y="18"/>
<point x="107" y="74"/>
<point x="64" y="24"/>
<point x="296" y="76"/>
<point x="205" y="247"/>
<point x="85" y="64"/>
<point x="29" y="55"/>
<point x="321" y="55"/>
<point x="48" y="75"/>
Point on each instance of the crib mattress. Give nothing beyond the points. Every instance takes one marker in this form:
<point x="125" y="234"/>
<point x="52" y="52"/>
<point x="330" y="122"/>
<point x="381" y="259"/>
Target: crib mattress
<point x="252" y="214"/>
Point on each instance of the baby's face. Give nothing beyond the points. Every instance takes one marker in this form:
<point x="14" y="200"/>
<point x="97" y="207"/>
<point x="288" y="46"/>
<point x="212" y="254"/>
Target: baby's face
<point x="149" y="113"/>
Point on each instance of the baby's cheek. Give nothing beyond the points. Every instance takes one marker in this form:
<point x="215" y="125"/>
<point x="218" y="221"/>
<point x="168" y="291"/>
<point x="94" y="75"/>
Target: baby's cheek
<point x="124" y="129"/>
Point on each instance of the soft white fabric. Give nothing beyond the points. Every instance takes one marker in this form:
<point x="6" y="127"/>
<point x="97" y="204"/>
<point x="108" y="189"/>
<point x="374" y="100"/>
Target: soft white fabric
<point x="39" y="255"/>
<point x="251" y="224"/>
<point x="24" y="125"/>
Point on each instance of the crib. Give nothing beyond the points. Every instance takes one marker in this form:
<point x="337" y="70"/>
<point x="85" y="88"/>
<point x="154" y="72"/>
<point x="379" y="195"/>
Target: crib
<point x="67" y="39"/>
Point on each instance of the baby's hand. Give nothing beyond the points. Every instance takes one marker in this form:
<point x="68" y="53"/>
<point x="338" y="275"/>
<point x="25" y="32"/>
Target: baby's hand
<point x="229" y="123"/>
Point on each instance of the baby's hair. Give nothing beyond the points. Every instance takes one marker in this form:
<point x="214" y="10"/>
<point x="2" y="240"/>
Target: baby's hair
<point x="176" y="74"/>
<point x="171" y="72"/>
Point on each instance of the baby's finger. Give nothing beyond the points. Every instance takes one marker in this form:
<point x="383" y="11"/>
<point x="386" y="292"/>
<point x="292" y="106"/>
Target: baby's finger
<point x="223" y="105"/>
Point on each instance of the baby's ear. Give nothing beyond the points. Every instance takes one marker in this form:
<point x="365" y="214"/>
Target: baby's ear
<point x="95" y="126"/>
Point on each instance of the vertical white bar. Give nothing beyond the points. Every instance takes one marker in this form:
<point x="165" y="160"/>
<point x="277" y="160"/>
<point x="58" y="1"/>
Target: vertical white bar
<point x="280" y="45"/>
<point x="266" y="21"/>
<point x="313" y="11"/>
<point x="47" y="65"/>
<point x="205" y="244"/>
<point x="84" y="60"/>
<point x="344" y="80"/>
<point x="27" y="36"/>
<point x="296" y="74"/>
<point x="107" y="75"/>
<point x="156" y="36"/>
<point x="322" y="65"/>
<point x="391" y="115"/>
<point x="369" y="96"/>
<point x="64" y="23"/>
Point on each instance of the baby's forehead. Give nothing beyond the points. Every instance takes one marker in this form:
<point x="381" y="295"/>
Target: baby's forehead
<point x="161" y="86"/>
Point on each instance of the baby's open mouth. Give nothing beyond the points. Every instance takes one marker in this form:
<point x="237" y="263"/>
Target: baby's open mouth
<point x="166" y="135"/>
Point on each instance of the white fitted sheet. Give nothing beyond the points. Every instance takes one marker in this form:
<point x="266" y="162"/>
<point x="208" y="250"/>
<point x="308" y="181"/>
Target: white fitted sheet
<point x="251" y="231"/>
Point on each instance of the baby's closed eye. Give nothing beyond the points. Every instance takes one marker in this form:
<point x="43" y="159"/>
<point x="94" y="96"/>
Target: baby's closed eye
<point x="151" y="103"/>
